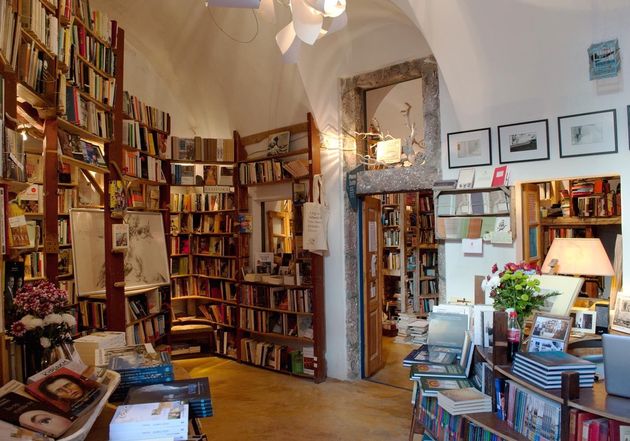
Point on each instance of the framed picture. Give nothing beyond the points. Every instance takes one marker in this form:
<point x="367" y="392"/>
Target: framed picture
<point x="621" y="315"/>
<point x="549" y="333"/>
<point x="120" y="237"/>
<point x="583" y="320"/>
<point x="470" y="148"/>
<point x="568" y="287"/>
<point x="146" y="261"/>
<point x="522" y="142"/>
<point x="278" y="143"/>
<point x="584" y="134"/>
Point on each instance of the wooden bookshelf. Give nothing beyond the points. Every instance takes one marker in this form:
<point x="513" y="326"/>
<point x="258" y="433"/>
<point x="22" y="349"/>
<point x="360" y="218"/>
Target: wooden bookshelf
<point x="251" y="294"/>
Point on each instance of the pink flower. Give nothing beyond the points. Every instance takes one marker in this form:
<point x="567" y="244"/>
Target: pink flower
<point x="18" y="329"/>
<point x="495" y="268"/>
<point x="511" y="267"/>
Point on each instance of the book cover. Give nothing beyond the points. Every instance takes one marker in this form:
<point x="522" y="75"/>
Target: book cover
<point x="467" y="395"/>
<point x="483" y="178"/>
<point x="425" y="355"/>
<point x="437" y="370"/>
<point x="19" y="410"/>
<point x="500" y="175"/>
<point x="16" y="433"/>
<point x="134" y="422"/>
<point x="137" y="359"/>
<point x="67" y="391"/>
<point x="194" y="390"/>
<point x="466" y="178"/>
<point x="431" y="386"/>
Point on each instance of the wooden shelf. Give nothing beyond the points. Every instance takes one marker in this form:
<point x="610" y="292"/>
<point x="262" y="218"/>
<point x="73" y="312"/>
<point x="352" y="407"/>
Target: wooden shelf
<point x="40" y="44"/>
<point x="490" y="422"/>
<point x="279" y="156"/>
<point x="282" y="311"/>
<point x="66" y="125"/>
<point x="90" y="31"/>
<point x="102" y="106"/>
<point x="203" y="276"/>
<point x="192" y="162"/>
<point x="575" y="221"/>
<point x="263" y="184"/>
<point x="148" y="317"/>
<point x="139" y="180"/>
<point x="597" y="401"/>
<point x="49" y="6"/>
<point x="96" y="69"/>
<point x="212" y="299"/>
<point x="203" y="212"/>
<point x="84" y="165"/>
<point x="28" y="94"/>
<point x="272" y="285"/>
<point x="216" y="256"/>
<point x="134" y="149"/>
<point x="199" y="321"/>
<point x="145" y="125"/>
<point x="279" y="336"/>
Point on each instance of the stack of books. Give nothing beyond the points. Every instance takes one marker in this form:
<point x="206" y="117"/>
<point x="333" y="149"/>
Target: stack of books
<point x="150" y="421"/>
<point x="544" y="369"/>
<point x="464" y="401"/>
<point x="137" y="365"/>
<point x="195" y="392"/>
<point x="418" y="330"/>
<point x="425" y="354"/>
<point x="87" y="345"/>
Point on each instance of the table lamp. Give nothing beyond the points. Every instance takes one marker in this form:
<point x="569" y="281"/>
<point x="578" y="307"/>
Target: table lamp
<point x="578" y="257"/>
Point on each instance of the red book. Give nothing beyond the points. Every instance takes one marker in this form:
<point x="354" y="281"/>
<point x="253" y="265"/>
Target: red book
<point x="581" y="419"/>
<point x="499" y="178"/>
<point x="598" y="430"/>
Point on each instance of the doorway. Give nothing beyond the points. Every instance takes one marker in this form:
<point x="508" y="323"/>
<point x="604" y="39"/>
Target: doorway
<point x="399" y="279"/>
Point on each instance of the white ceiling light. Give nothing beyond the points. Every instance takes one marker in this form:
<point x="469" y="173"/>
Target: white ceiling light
<point x="251" y="4"/>
<point x="312" y="20"/>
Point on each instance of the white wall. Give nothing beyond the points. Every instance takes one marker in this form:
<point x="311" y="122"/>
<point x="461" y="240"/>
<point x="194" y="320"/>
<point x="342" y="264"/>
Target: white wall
<point x="506" y="62"/>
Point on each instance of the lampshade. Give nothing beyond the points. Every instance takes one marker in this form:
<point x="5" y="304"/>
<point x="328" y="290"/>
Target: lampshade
<point x="577" y="256"/>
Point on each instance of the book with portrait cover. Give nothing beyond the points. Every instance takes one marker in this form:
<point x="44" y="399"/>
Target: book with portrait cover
<point x="41" y="417"/>
<point x="67" y="391"/>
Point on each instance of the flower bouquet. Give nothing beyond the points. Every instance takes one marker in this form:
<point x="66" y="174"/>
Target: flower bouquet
<point x="44" y="324"/>
<point x="514" y="287"/>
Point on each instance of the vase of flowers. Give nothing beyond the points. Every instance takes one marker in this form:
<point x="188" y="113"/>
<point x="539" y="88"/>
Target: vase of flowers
<point x="44" y="324"/>
<point x="514" y="287"/>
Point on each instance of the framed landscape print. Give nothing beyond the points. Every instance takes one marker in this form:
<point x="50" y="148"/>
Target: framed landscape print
<point x="593" y="133"/>
<point x="470" y="148"/>
<point x="521" y="142"/>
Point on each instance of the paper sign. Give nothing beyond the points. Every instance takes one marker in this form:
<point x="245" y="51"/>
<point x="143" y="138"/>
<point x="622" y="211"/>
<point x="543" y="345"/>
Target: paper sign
<point x="372" y="237"/>
<point x="388" y="151"/>
<point x="17" y="221"/>
<point x="472" y="246"/>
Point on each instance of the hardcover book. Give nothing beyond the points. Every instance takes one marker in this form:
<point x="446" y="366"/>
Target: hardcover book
<point x="135" y="422"/>
<point x="431" y="386"/>
<point x="425" y="354"/>
<point x="555" y="361"/>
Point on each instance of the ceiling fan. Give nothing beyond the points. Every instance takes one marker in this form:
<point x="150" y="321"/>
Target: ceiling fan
<point x="311" y="20"/>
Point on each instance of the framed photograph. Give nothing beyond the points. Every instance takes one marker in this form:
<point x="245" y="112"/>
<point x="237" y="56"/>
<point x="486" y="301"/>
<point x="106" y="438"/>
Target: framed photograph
<point x="522" y="142"/>
<point x="584" y="134"/>
<point x="470" y="148"/>
<point x="583" y="320"/>
<point x="568" y="287"/>
<point x="120" y="237"/>
<point x="278" y="143"/>
<point x="621" y="315"/>
<point x="146" y="261"/>
<point x="549" y="333"/>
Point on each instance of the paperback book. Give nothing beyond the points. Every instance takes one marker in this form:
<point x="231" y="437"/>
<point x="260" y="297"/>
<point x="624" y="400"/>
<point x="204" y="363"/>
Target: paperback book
<point x="431" y="386"/>
<point x="19" y="410"/>
<point x="195" y="392"/>
<point x="135" y="422"/>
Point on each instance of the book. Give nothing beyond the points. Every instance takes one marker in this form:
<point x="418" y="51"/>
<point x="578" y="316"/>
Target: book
<point x="427" y="354"/>
<point x="431" y="386"/>
<point x="40" y="417"/>
<point x="463" y="401"/>
<point x="554" y="361"/>
<point x="88" y="344"/>
<point x="66" y="390"/>
<point x="148" y="421"/>
<point x="447" y="329"/>
<point x="500" y="176"/>
<point x="483" y="178"/>
<point x="16" y="433"/>
<point x="459" y="370"/>
<point x="466" y="178"/>
<point x="195" y="392"/>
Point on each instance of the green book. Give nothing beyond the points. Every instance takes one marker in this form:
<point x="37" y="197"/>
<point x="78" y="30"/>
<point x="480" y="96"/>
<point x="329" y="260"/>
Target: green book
<point x="297" y="362"/>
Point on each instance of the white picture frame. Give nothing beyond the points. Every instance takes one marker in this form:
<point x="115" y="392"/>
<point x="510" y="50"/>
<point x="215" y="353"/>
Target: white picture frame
<point x="621" y="314"/>
<point x="120" y="237"/>
<point x="569" y="288"/>
<point x="593" y="133"/>
<point x="584" y="320"/>
<point x="523" y="142"/>
<point x="549" y="333"/>
<point x="470" y="148"/>
<point x="146" y="260"/>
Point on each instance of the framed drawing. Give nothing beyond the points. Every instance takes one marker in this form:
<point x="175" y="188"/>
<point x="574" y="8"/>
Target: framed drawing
<point x="621" y="315"/>
<point x="583" y="320"/>
<point x="549" y="333"/>
<point x="584" y="134"/>
<point x="522" y="142"/>
<point x="146" y="261"/>
<point x="470" y="148"/>
<point x="568" y="287"/>
<point x="278" y="143"/>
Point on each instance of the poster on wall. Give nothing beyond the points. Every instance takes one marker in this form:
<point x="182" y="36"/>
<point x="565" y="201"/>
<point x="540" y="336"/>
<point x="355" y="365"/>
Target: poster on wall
<point x="584" y="134"/>
<point x="522" y="142"/>
<point x="470" y="148"/>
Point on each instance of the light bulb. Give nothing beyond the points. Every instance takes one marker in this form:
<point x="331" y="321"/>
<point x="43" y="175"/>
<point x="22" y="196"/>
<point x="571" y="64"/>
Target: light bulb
<point x="24" y="135"/>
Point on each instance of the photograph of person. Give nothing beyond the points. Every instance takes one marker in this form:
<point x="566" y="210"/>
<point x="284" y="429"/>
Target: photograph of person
<point x="51" y="424"/>
<point x="67" y="391"/>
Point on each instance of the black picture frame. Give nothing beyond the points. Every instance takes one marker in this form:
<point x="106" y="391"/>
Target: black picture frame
<point x="454" y="138"/>
<point x="597" y="135"/>
<point x="541" y="150"/>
